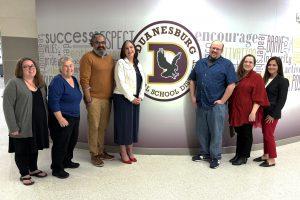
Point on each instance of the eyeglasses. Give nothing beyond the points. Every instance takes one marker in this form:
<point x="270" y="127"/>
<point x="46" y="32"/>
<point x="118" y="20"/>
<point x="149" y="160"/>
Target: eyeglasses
<point x="29" y="66"/>
<point x="215" y="49"/>
<point x="100" y="42"/>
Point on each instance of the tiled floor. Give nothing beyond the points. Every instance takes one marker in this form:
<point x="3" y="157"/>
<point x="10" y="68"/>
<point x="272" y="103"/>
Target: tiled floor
<point x="155" y="177"/>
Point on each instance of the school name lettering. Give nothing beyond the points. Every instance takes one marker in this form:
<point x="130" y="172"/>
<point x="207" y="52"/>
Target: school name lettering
<point x="170" y="30"/>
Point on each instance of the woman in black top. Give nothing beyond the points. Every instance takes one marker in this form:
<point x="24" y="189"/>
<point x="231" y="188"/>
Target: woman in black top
<point x="25" y="111"/>
<point x="277" y="89"/>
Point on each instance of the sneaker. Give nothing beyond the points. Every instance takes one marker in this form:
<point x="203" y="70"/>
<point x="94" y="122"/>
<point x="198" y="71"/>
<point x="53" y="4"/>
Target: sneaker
<point x="214" y="163"/>
<point x="106" y="156"/>
<point x="200" y="157"/>
<point x="96" y="160"/>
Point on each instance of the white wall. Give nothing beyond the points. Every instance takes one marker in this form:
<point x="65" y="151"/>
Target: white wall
<point x="18" y="18"/>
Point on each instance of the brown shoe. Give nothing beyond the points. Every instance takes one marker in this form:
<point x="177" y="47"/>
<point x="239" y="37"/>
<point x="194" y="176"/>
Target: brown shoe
<point x="96" y="160"/>
<point x="106" y="156"/>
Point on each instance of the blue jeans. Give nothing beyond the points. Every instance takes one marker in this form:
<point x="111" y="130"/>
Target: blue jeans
<point x="210" y="126"/>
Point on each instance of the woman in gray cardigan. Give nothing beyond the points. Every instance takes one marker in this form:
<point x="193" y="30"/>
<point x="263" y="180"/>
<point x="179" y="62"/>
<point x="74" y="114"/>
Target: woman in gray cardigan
<point x="25" y="111"/>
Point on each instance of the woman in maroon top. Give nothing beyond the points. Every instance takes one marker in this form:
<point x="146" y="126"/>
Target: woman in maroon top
<point x="247" y="97"/>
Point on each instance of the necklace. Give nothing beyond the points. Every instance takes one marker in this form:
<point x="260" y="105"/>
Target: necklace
<point x="30" y="84"/>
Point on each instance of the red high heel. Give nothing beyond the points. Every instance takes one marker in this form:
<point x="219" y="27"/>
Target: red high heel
<point x="133" y="159"/>
<point x="125" y="161"/>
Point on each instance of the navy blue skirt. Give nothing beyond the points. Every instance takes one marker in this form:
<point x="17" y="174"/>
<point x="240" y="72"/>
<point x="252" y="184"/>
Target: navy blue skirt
<point x="126" y="120"/>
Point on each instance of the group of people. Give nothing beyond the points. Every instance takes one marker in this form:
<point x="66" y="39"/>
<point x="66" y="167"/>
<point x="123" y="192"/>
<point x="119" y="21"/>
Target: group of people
<point x="31" y="116"/>
<point x="253" y="100"/>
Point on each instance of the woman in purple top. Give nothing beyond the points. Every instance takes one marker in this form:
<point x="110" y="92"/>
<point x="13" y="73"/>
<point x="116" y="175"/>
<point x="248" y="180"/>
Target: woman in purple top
<point x="64" y="115"/>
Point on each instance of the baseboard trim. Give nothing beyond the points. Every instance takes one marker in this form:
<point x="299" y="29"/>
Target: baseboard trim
<point x="186" y="151"/>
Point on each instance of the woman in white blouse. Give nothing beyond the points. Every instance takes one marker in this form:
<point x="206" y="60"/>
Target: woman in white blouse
<point x="128" y="94"/>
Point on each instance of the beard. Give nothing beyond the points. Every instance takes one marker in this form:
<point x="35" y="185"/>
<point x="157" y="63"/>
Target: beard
<point x="212" y="59"/>
<point x="100" y="52"/>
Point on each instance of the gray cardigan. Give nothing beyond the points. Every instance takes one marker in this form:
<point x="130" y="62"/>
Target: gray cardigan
<point x="17" y="107"/>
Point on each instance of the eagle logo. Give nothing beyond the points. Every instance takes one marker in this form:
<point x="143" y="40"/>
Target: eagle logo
<point x="169" y="69"/>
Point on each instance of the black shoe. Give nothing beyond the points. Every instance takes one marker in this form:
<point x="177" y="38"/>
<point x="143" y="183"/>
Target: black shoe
<point x="60" y="174"/>
<point x="240" y="161"/>
<point x="71" y="165"/>
<point x="259" y="159"/>
<point x="266" y="164"/>
<point x="234" y="158"/>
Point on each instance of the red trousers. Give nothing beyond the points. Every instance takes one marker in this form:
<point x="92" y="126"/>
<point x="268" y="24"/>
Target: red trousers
<point x="268" y="130"/>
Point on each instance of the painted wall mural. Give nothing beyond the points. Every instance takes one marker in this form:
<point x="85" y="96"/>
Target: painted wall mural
<point x="176" y="36"/>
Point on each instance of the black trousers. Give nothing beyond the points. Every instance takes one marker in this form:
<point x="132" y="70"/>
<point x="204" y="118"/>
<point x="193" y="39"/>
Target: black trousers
<point x="26" y="162"/>
<point x="244" y="140"/>
<point x="64" y="141"/>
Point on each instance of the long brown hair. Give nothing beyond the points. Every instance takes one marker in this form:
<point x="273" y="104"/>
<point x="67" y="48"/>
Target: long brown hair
<point x="279" y="71"/>
<point x="123" y="55"/>
<point x="38" y="78"/>
<point x="241" y="71"/>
